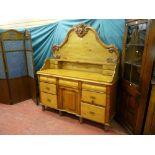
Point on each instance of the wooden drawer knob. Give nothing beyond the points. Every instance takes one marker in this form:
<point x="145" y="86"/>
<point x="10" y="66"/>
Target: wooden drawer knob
<point x="93" y="102"/>
<point x="92" y="113"/>
<point x="47" y="88"/>
<point x="49" y="100"/>
<point x="93" y="97"/>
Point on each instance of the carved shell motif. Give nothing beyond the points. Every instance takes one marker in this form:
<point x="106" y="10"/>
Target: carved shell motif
<point x="81" y="30"/>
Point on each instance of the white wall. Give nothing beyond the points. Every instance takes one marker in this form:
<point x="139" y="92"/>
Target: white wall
<point x="26" y="23"/>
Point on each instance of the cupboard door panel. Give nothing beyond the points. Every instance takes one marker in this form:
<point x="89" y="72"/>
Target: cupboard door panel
<point x="153" y="125"/>
<point x="69" y="98"/>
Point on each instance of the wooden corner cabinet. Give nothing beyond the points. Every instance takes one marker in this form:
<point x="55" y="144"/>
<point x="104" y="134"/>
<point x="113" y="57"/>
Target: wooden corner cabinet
<point x="137" y="66"/>
<point x="81" y="77"/>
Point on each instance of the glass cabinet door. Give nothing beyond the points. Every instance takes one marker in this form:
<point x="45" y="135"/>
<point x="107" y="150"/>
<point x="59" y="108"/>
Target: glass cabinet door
<point x="134" y="52"/>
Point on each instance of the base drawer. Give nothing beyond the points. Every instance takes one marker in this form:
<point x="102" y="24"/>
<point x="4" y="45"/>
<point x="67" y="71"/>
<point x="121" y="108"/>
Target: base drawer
<point x="93" y="112"/>
<point x="48" y="100"/>
<point x="94" y="98"/>
<point x="47" y="87"/>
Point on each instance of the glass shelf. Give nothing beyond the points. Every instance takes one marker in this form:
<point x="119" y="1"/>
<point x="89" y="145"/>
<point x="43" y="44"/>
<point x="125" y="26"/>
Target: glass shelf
<point x="134" y="44"/>
<point x="133" y="64"/>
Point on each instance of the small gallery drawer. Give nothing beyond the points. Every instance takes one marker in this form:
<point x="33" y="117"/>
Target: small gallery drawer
<point x="48" y="100"/>
<point x="69" y="83"/>
<point x="47" y="79"/>
<point x="94" y="98"/>
<point x="47" y="87"/>
<point x="93" y="112"/>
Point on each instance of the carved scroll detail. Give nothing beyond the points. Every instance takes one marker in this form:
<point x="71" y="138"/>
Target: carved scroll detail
<point x="81" y="30"/>
<point x="56" y="53"/>
<point x="111" y="50"/>
<point x="111" y="60"/>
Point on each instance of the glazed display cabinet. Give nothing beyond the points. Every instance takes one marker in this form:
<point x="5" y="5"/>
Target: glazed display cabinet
<point x="136" y="68"/>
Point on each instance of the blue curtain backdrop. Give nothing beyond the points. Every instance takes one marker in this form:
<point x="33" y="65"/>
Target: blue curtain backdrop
<point x="44" y="37"/>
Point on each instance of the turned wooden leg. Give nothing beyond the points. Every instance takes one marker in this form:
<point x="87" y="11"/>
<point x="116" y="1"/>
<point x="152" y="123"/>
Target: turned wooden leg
<point x="81" y="120"/>
<point x="106" y="127"/>
<point x="43" y="108"/>
<point x="60" y="113"/>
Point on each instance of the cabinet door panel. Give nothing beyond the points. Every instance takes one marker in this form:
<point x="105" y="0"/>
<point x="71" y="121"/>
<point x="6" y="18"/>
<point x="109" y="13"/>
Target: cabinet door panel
<point x="128" y="107"/>
<point x="69" y="98"/>
<point x="153" y="125"/>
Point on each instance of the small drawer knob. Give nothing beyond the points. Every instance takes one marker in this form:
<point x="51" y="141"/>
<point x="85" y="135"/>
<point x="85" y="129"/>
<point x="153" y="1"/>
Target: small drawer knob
<point x="92" y="97"/>
<point x="91" y="112"/>
<point x="49" y="100"/>
<point x="47" y="88"/>
<point x="130" y="84"/>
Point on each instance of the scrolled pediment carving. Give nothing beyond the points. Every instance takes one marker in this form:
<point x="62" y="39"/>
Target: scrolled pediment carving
<point x="111" y="60"/>
<point x="112" y="49"/>
<point x="81" y="30"/>
<point x="56" y="53"/>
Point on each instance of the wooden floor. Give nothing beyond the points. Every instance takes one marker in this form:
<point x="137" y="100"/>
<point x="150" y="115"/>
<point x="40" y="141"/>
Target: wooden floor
<point x="26" y="118"/>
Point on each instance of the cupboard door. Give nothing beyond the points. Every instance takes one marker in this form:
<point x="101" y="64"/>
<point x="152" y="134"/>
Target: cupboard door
<point x="153" y="125"/>
<point x="69" y="100"/>
<point x="128" y="107"/>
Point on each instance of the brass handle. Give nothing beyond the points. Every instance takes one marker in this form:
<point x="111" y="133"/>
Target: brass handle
<point x="91" y="112"/>
<point x="93" y="97"/>
<point x="48" y="100"/>
<point x="47" y="88"/>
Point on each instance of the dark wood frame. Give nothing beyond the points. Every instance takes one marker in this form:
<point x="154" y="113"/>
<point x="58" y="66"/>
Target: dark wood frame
<point x="141" y="99"/>
<point x="20" y="88"/>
